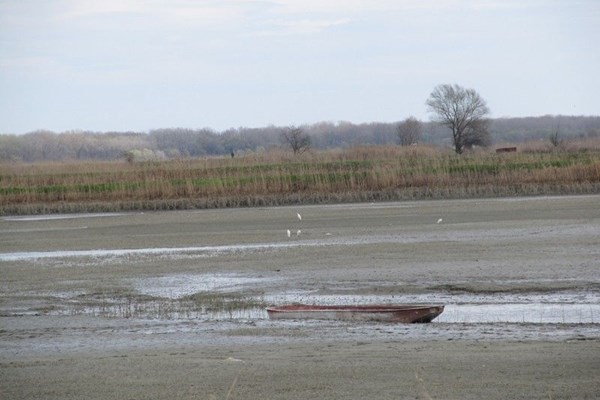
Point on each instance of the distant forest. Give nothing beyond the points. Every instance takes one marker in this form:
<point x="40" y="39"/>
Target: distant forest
<point x="183" y="143"/>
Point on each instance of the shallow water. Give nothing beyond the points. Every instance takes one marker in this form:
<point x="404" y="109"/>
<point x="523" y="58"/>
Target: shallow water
<point x="199" y="251"/>
<point x="180" y="285"/>
<point x="567" y="314"/>
<point x="561" y="308"/>
<point x="169" y="301"/>
<point x="570" y="308"/>
<point x="573" y="307"/>
<point x="539" y="257"/>
<point x="529" y="313"/>
<point x="53" y="217"/>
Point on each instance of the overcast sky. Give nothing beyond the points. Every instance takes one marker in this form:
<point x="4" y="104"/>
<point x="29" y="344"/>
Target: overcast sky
<point x="145" y="64"/>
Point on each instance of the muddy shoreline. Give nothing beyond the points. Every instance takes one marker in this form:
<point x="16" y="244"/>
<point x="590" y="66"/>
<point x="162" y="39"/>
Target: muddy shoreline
<point x="114" y="305"/>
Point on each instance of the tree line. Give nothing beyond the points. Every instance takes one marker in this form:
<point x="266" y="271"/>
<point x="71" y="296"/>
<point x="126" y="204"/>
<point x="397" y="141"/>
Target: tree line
<point x="43" y="145"/>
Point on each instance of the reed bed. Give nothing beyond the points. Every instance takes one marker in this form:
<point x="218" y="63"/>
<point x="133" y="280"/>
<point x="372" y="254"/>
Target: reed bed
<point x="277" y="178"/>
<point x="127" y="304"/>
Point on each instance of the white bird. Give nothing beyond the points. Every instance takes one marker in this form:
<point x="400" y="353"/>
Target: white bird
<point x="298" y="232"/>
<point x="439" y="221"/>
<point x="299" y="216"/>
<point x="289" y="233"/>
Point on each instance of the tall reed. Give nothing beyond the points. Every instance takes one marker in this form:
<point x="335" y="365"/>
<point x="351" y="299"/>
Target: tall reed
<point x="357" y="174"/>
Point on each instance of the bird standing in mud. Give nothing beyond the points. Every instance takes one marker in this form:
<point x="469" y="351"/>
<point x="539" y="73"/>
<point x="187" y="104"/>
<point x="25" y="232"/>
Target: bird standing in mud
<point x="298" y="232"/>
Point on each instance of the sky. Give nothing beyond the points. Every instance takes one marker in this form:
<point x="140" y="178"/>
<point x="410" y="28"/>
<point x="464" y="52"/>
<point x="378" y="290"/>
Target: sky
<point x="138" y="65"/>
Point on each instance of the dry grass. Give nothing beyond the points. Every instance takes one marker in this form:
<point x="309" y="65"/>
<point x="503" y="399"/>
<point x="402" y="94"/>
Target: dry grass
<point x="275" y="178"/>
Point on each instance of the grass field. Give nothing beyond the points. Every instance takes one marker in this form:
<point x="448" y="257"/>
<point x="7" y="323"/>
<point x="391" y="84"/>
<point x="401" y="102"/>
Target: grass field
<point x="275" y="178"/>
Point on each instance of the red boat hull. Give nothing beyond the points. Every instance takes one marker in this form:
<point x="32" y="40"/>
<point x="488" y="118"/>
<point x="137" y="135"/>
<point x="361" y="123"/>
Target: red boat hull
<point x="402" y="313"/>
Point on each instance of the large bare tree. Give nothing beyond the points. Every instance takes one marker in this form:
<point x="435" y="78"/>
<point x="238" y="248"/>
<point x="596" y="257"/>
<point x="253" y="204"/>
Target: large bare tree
<point x="296" y="139"/>
<point x="462" y="110"/>
<point x="409" y="131"/>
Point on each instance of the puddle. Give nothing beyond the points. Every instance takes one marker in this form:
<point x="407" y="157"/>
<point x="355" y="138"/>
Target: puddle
<point x="177" y="286"/>
<point x="536" y="313"/>
<point x="51" y="217"/>
<point x="202" y="251"/>
<point x="75" y="228"/>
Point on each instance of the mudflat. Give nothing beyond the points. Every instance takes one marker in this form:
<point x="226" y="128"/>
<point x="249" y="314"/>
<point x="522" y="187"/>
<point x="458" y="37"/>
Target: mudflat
<point x="170" y="304"/>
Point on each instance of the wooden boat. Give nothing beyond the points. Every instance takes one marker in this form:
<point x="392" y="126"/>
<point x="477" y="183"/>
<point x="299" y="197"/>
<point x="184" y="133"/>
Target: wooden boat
<point x="404" y="313"/>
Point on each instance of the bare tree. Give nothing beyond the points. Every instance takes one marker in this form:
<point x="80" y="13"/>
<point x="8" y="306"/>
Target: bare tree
<point x="409" y="131"/>
<point x="462" y="110"/>
<point x="296" y="139"/>
<point x="555" y="138"/>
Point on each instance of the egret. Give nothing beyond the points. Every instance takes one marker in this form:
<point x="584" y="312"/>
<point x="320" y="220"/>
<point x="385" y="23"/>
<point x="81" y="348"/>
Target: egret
<point x="298" y="232"/>
<point x="289" y="233"/>
<point x="439" y="221"/>
<point x="299" y="216"/>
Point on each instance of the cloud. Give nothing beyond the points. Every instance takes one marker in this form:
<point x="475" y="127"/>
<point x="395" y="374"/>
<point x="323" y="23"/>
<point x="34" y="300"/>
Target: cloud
<point x="301" y="27"/>
<point x="78" y="9"/>
<point x="21" y="63"/>
<point x="355" y="7"/>
<point x="155" y="13"/>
